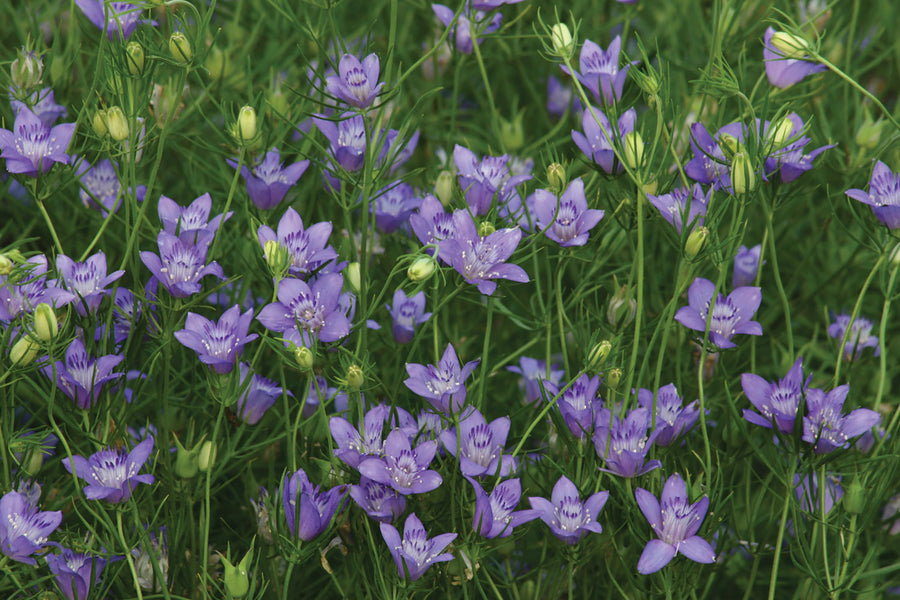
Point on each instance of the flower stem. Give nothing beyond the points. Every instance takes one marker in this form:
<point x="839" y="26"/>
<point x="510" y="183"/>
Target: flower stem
<point x="789" y="489"/>
<point x="882" y="332"/>
<point x="785" y="304"/>
<point x="853" y="316"/>
<point x="128" y="557"/>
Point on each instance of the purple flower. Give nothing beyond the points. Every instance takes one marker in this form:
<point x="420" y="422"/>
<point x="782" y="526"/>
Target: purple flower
<point x="393" y="205"/>
<point x="26" y="287"/>
<point x="730" y="316"/>
<point x="101" y="188"/>
<point x="676" y="522"/>
<point x="42" y="103"/>
<point x="481" y="260"/>
<point x="307" y="247"/>
<point x="495" y="515"/>
<point x="777" y="403"/>
<point x="883" y="196"/>
<point x="568" y="517"/>
<point x="442" y="385"/>
<point x="180" y="265"/>
<point x="559" y="97"/>
<point x="396" y="150"/>
<point x="683" y="206"/>
<point x="113" y="18"/>
<point x="258" y="397"/>
<point x="709" y="165"/>
<point x="599" y="138"/>
<point x="354" y="445"/>
<point x="414" y="553"/>
<point x="826" y="427"/>
<point x="860" y="336"/>
<point x="470" y="21"/>
<point x="112" y="474"/>
<point x="33" y="147"/>
<point x="406" y="313"/>
<point x="23" y="528"/>
<point x="480" y="445"/>
<point x="81" y="377"/>
<point x="347" y="137"/>
<point x="782" y="71"/>
<point x="624" y="443"/>
<point x="746" y="265"/>
<point x="807" y="490"/>
<point x="73" y="572"/>
<point x="87" y="280"/>
<point x="577" y="404"/>
<point x="304" y="313"/>
<point x="320" y="392"/>
<point x="381" y="502"/>
<point x="673" y="420"/>
<point x="217" y="344"/>
<point x="484" y="180"/>
<point x="356" y="82"/>
<point x="403" y="467"/>
<point x="599" y="70"/>
<point x="566" y="219"/>
<point x="269" y="180"/>
<point x="307" y="510"/>
<point x="431" y="224"/>
<point x="191" y="224"/>
<point x="534" y="373"/>
<point x="785" y="145"/>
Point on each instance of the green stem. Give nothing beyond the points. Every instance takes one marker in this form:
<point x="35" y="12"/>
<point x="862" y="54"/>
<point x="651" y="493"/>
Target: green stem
<point x="853" y="316"/>
<point x="482" y="382"/>
<point x="128" y="557"/>
<point x="559" y="317"/>
<point x="40" y="203"/>
<point x="882" y="333"/>
<point x="234" y="181"/>
<point x="639" y="313"/>
<point x="789" y="489"/>
<point x="785" y="304"/>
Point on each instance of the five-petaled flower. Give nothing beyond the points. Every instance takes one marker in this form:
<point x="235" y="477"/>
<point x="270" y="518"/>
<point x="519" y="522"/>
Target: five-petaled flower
<point x="860" y="336"/>
<point x="112" y="474"/>
<point x="883" y="195"/>
<point x="23" y="528"/>
<point x="356" y="82"/>
<point x="88" y="280"/>
<point x="624" y="443"/>
<point x="730" y="315"/>
<point x="683" y="206"/>
<point x="81" y="377"/>
<point x="269" y="181"/>
<point x="307" y="246"/>
<point x="825" y="426"/>
<point x="73" y="572"/>
<point x="442" y="385"/>
<point x="403" y="467"/>
<point x="307" y="510"/>
<point x="566" y="219"/>
<point x="673" y="420"/>
<point x="676" y="522"/>
<point x="180" y="265"/>
<point x="568" y="517"/>
<point x="599" y="138"/>
<point x="406" y="314"/>
<point x="495" y="514"/>
<point x="600" y="72"/>
<point x="32" y="147"/>
<point x="217" y="344"/>
<point x="777" y="403"/>
<point x="414" y="552"/>
<point x="480" y="445"/>
<point x="481" y="260"/>
<point x="304" y="313"/>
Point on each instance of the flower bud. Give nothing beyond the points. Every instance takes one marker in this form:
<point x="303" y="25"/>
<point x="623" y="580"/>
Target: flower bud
<point x="134" y="56"/>
<point x="278" y="258"/>
<point x="613" y="377"/>
<point x="246" y="124"/>
<point x="633" y="152"/>
<point x="729" y="144"/>
<point x="45" y="324"/>
<point x="895" y="256"/>
<point x="421" y="269"/>
<point x="561" y="40"/>
<point x="789" y="45"/>
<point x="6" y="265"/>
<point x="597" y="356"/>
<point x="304" y="357"/>
<point x="353" y="277"/>
<point x="855" y="497"/>
<point x="743" y="179"/>
<point x="186" y="461"/>
<point x="355" y="377"/>
<point x="215" y="63"/>
<point x="443" y="187"/>
<point x="621" y="309"/>
<point x="24" y="351"/>
<point x="869" y="133"/>
<point x="237" y="582"/>
<point x="556" y="177"/>
<point x="512" y="134"/>
<point x="180" y="48"/>
<point x="486" y="228"/>
<point x="99" y="123"/>
<point x="781" y="133"/>
<point x="696" y="241"/>
<point x="26" y="70"/>
<point x="117" y="123"/>
<point x="207" y="457"/>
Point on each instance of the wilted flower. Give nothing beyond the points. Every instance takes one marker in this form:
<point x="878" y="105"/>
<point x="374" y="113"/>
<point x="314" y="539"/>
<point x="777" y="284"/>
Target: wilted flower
<point x="442" y="385"/>
<point x="883" y="195"/>
<point x="180" y="265"/>
<point x="217" y="344"/>
<point x="305" y="313"/>
<point x="307" y="510"/>
<point x="112" y="474"/>
<point x="495" y="514"/>
<point x="403" y="467"/>
<point x="480" y="445"/>
<point x="599" y="138"/>
<point x="568" y="517"/>
<point x="32" y="147"/>
<point x="87" y="280"/>
<point x="730" y="315"/>
<point x="746" y="265"/>
<point x="356" y="82"/>
<point x="566" y="219"/>
<point x="73" y="572"/>
<point x="148" y="559"/>
<point x="624" y="443"/>
<point x="777" y="403"/>
<point x="81" y="377"/>
<point x="673" y="420"/>
<point x="23" y="528"/>
<point x="414" y="553"/>
<point x="788" y="64"/>
<point x="406" y="314"/>
<point x="306" y="246"/>
<point x="268" y="181"/>
<point x="380" y="501"/>
<point x="676" y="522"/>
<point x="684" y="206"/>
<point x="826" y="427"/>
<point x="860" y="336"/>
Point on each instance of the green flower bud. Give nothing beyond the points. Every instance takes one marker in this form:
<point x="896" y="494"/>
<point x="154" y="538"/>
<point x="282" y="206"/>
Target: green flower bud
<point x="180" y="48"/>
<point x="117" y="123"/>
<point x="855" y="497"/>
<point x="895" y="256"/>
<point x="621" y="308"/>
<point x="791" y="46"/>
<point x="355" y="377"/>
<point x="781" y="133"/>
<point x="99" y="123"/>
<point x="6" y="265"/>
<point x="246" y="124"/>
<point x="443" y="187"/>
<point x="421" y="269"/>
<point x="561" y="40"/>
<point x="743" y="179"/>
<point x="186" y="461"/>
<point x="613" y="378"/>
<point x="26" y="70"/>
<point x="696" y="242"/>
<point x="45" y="324"/>
<point x="353" y="276"/>
<point x="304" y="357"/>
<point x="556" y="177"/>
<point x="486" y="228"/>
<point x="215" y="63"/>
<point x="597" y="356"/>
<point x="512" y="134"/>
<point x="237" y="581"/>
<point x="869" y="133"/>
<point x="134" y="56"/>
<point x="207" y="457"/>
<point x="633" y="152"/>
<point x="278" y="259"/>
<point x="24" y="351"/>
<point x="729" y="144"/>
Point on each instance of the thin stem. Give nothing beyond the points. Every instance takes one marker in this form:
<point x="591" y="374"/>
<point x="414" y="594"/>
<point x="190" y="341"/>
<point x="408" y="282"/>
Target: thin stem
<point x="128" y="557"/>
<point x="773" y="579"/>
<point x="853" y="316"/>
<point x="785" y="304"/>
<point x="882" y="333"/>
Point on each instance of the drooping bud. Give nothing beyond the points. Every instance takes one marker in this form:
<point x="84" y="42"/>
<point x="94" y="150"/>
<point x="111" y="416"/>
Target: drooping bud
<point x="355" y="377"/>
<point x="237" y="581"/>
<point x="26" y="70"/>
<point x="789" y="45"/>
<point x="134" y="54"/>
<point x="24" y="351"/>
<point x="353" y="276"/>
<point x="421" y="269"/>
<point x="99" y="123"/>
<point x="743" y="179"/>
<point x="781" y="132"/>
<point x="45" y="324"/>
<point x="180" y="48"/>
<point x="556" y="177"/>
<point x="207" y="456"/>
<point x="597" y="356"/>
<point x="633" y="152"/>
<point x="186" y="461"/>
<point x="486" y="228"/>
<point x="696" y="241"/>
<point x="443" y="187"/>
<point x="512" y="134"/>
<point x="246" y="128"/>
<point x="304" y="357"/>
<point x="613" y="378"/>
<point x="562" y="41"/>
<point x="117" y="123"/>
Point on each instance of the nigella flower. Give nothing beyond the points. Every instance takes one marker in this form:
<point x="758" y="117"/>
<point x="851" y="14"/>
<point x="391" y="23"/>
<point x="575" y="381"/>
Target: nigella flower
<point x="258" y="397"/>
<point x="23" y="528"/>
<point x="101" y="188"/>
<point x="484" y="180"/>
<point x="73" y="572"/>
<point x="308" y="510"/>
<point x="355" y="445"/>
<point x="32" y="147"/>
<point x="27" y="286"/>
<point x="442" y="385"/>
<point x="113" y="18"/>
<point x="730" y="316"/>
<point x="673" y="420"/>
<point x="393" y="205"/>
<point x="785" y="147"/>
<point x="87" y="280"/>
<point x="599" y="70"/>
<point x="403" y="467"/>
<point x="676" y="522"/>
<point x="112" y="474"/>
<point x="304" y="313"/>
<point x="147" y="559"/>
<point x="709" y="165"/>
<point x="180" y="265"/>
<point x="470" y="21"/>
<point x="684" y="206"/>
<point x="481" y="260"/>
<point x="414" y="553"/>
<point x="406" y="313"/>
<point x="883" y="195"/>
<point x="82" y="377"/>
<point x="826" y="427"/>
<point x="217" y="344"/>
<point x="192" y="223"/>
<point x="535" y="373"/>
<point x="624" y="443"/>
<point x="307" y="247"/>
<point x="599" y="138"/>
<point x="784" y="70"/>
<point x="577" y="404"/>
<point x="42" y="103"/>
<point x="777" y="403"/>
<point x="566" y="219"/>
<point x="809" y="492"/>
<point x="860" y="336"/>
<point x="356" y="82"/>
<point x="269" y="180"/>
<point x="746" y="265"/>
<point x="347" y="137"/>
<point x="480" y="446"/>
<point x="431" y="223"/>
<point x="568" y="517"/>
<point x="380" y="501"/>
<point x="495" y="514"/>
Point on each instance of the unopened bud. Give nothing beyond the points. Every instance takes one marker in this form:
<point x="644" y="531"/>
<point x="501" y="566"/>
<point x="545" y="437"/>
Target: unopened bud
<point x="855" y="497"/>
<point x="743" y="179"/>
<point x="633" y="153"/>
<point x="117" y="123"/>
<point x="207" y="457"/>
<point x="421" y="269"/>
<point x="134" y="54"/>
<point x="613" y="377"/>
<point x="789" y="45"/>
<point x="304" y="357"/>
<point x="186" y="461"/>
<point x="215" y="63"/>
<point x="597" y="356"/>
<point x="486" y="228"/>
<point x="869" y="133"/>
<point x="696" y="242"/>
<point x="561" y="40"/>
<point x="512" y="134"/>
<point x="6" y="265"/>
<point x="353" y="276"/>
<point x="556" y="177"/>
<point x="781" y="133"/>
<point x="355" y="377"/>
<point x="237" y="581"/>
<point x="99" y="123"/>
<point x="895" y="256"/>
<point x="246" y="128"/>
<point x="443" y="187"/>
<point x="621" y="308"/>
<point x="180" y="48"/>
<point x="730" y="145"/>
<point x="45" y="324"/>
<point x="24" y="351"/>
<point x="26" y="70"/>
<point x="278" y="258"/>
